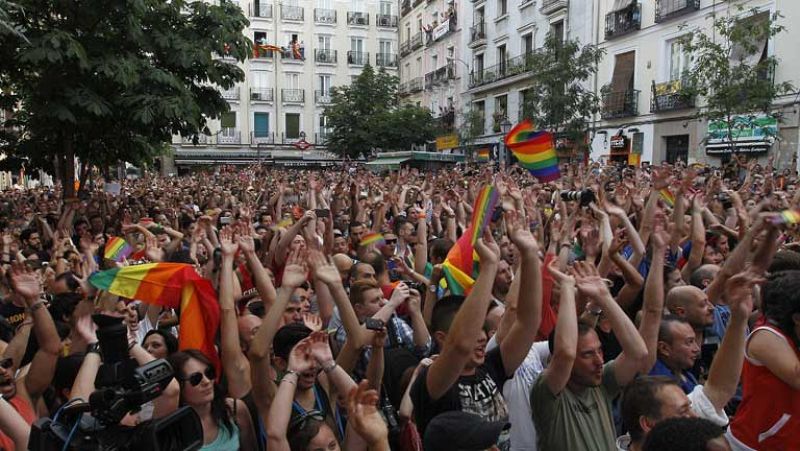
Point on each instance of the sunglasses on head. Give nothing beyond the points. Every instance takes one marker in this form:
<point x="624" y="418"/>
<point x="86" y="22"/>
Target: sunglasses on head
<point x="300" y="422"/>
<point x="6" y="363"/>
<point x="197" y="377"/>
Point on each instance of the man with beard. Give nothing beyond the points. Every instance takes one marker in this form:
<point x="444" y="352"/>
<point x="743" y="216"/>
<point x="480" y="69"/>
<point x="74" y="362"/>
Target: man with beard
<point x="24" y="391"/>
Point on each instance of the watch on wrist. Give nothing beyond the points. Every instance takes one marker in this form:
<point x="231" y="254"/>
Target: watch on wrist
<point x="93" y="347"/>
<point x="330" y="366"/>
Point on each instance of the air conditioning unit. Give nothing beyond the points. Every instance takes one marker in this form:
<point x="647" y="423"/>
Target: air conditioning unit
<point x="385" y="22"/>
<point x="255" y="95"/>
<point x="323" y="57"/>
<point x="360" y="19"/>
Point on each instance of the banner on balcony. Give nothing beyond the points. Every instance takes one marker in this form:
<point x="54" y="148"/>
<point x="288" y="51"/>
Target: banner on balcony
<point x="440" y="30"/>
<point x="446" y="142"/>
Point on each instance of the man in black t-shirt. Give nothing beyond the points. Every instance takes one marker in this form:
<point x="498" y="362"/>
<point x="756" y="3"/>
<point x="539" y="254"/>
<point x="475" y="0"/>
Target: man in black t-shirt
<point x="465" y="377"/>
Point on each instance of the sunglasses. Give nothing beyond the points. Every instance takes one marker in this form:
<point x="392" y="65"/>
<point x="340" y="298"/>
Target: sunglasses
<point x="196" y="378"/>
<point x="390" y="241"/>
<point x="7" y="363"/>
<point x="300" y="422"/>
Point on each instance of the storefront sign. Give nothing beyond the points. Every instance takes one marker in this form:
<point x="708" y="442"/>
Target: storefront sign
<point x="619" y="142"/>
<point x="447" y="142"/>
<point x="746" y="134"/>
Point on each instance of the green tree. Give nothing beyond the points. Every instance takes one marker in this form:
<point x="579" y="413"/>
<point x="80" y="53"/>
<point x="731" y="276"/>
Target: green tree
<point x="559" y="98"/>
<point x="470" y="127"/>
<point x="367" y="115"/>
<point x="731" y="69"/>
<point x="109" y="81"/>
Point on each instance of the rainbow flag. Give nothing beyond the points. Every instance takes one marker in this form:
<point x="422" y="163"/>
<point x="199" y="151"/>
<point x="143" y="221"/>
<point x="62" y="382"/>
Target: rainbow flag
<point x="787" y="217"/>
<point x="667" y="197"/>
<point x="171" y="285"/>
<point x="482" y="213"/>
<point x="483" y="154"/>
<point x="285" y="223"/>
<point x="117" y="249"/>
<point x="534" y="150"/>
<point x="371" y="238"/>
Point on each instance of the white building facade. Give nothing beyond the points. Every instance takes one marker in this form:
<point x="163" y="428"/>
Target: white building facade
<point x="277" y="111"/>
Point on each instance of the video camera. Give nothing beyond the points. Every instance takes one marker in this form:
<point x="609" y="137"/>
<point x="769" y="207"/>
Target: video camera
<point x="122" y="388"/>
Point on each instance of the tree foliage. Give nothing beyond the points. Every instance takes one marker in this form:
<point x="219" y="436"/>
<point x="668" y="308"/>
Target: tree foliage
<point x="367" y="115"/>
<point x="109" y="81"/>
<point x="471" y="126"/>
<point x="731" y="70"/>
<point x="559" y="98"/>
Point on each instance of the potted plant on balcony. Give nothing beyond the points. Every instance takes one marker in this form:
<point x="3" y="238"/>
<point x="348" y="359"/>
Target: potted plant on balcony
<point x="497" y="119"/>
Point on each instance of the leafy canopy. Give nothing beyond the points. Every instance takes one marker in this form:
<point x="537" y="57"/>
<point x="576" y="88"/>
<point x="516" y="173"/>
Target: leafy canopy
<point x="111" y="81"/>
<point x="367" y="115"/>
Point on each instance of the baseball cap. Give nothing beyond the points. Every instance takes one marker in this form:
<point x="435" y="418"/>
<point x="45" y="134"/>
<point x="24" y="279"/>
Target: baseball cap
<point x="462" y="431"/>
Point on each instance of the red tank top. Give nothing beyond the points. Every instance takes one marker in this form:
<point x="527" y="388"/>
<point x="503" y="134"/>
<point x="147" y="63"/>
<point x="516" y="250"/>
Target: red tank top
<point x="769" y="416"/>
<point x="25" y="410"/>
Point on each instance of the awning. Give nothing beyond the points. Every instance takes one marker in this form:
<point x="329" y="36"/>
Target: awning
<point x="619" y="5"/>
<point x="391" y="162"/>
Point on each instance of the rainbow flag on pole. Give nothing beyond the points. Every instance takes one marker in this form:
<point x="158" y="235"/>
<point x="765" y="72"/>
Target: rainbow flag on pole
<point x="117" y="249"/>
<point x="483" y="154"/>
<point x="534" y="150"/>
<point x="171" y="285"/>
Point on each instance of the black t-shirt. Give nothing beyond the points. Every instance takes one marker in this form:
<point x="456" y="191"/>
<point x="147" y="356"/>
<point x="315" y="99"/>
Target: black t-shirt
<point x="480" y="394"/>
<point x="13" y="314"/>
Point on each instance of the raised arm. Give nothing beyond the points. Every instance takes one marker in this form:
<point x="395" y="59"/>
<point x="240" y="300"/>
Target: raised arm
<point x="516" y="345"/>
<point x="280" y="412"/>
<point x="653" y="308"/>
<point x="286" y="239"/>
<point x="565" y="346"/>
<point x="237" y="367"/>
<point x="326" y="272"/>
<point x="698" y="238"/>
<point x="266" y="291"/>
<point x="466" y="326"/>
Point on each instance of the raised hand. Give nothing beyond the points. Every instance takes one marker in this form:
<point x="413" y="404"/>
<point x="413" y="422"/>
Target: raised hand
<point x="152" y="249"/>
<point x="294" y="274"/>
<point x="562" y="279"/>
<point x="362" y="414"/>
<point x="487" y="249"/>
<point x="739" y="291"/>
<point x="589" y="282"/>
<point x="400" y="294"/>
<point x="300" y="358"/>
<point x="323" y="270"/>
<point x="519" y="234"/>
<point x="228" y="242"/>
<point x="26" y="283"/>
<point x="319" y="347"/>
<point x="312" y="321"/>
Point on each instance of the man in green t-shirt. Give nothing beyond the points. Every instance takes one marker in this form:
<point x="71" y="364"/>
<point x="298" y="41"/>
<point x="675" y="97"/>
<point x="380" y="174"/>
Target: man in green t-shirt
<point x="571" y="399"/>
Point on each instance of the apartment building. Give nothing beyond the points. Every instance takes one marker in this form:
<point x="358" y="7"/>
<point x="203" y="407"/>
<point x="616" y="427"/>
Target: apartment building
<point x="412" y="51"/>
<point x="277" y="111"/>
<point x="644" y="118"/>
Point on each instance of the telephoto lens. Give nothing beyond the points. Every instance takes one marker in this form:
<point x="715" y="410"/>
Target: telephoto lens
<point x="584" y="197"/>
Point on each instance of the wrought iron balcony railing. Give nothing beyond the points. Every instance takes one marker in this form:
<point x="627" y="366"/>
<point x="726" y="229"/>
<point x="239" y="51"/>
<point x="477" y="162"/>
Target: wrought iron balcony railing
<point x="231" y="94"/>
<point x="624" y="21"/>
<point x="405" y="48"/>
<point x="416" y="41"/>
<point x="386" y="20"/>
<point x="325" y="56"/>
<point x="259" y="137"/>
<point x="322" y="97"/>
<point x="229" y="136"/>
<point x="620" y="104"/>
<point x="416" y="84"/>
<point x="324" y="16"/>
<point x="477" y="32"/>
<point x="294" y="13"/>
<point x="293" y="95"/>
<point x="519" y="64"/>
<point x="669" y="9"/>
<point x="667" y="96"/>
<point x="357" y="18"/>
<point x="386" y="60"/>
<point x="262" y="94"/>
<point x="357" y="58"/>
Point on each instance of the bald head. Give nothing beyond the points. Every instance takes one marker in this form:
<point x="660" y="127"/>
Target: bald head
<point x="343" y="262"/>
<point x="681" y="296"/>
<point x="691" y="304"/>
<point x="704" y="275"/>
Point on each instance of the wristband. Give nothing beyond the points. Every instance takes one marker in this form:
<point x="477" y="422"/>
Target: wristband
<point x="330" y="366"/>
<point x="93" y="347"/>
<point x="37" y="305"/>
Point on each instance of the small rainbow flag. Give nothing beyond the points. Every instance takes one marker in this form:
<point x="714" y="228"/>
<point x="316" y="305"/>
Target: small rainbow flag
<point x="667" y="197"/>
<point x="171" y="285"/>
<point x="482" y="213"/>
<point x="787" y="217"/>
<point x="285" y="223"/>
<point x="483" y="154"/>
<point x="534" y="150"/>
<point x="371" y="238"/>
<point x="117" y="249"/>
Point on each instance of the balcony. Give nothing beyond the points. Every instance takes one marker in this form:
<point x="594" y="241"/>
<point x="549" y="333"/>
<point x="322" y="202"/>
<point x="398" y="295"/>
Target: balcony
<point x="477" y="34"/>
<point x="261" y="10"/>
<point x="386" y="21"/>
<point x="447" y="119"/>
<point x="324" y="16"/>
<point x="292" y="13"/>
<point x="513" y="66"/>
<point x="402" y="89"/>
<point x="670" y="9"/>
<point x="552" y="6"/>
<point x="231" y="94"/>
<point x="257" y="138"/>
<point x="405" y="7"/>
<point x="325" y="56"/>
<point x="429" y="80"/>
<point x="416" y="85"/>
<point x="438" y="31"/>
<point x="405" y="48"/>
<point x="322" y="136"/>
<point x="417" y="2"/>
<point x="619" y="104"/>
<point x="357" y="18"/>
<point x="260" y="53"/>
<point x="386" y="59"/>
<point x="624" y="21"/>
<point x="322" y="97"/>
<point x="357" y="58"/>
<point x="262" y="94"/>
<point x="293" y="95"/>
<point x="229" y="136"/>
<point x="667" y="96"/>
<point x="416" y="41"/>
<point x="297" y="55"/>
<point x="202" y="140"/>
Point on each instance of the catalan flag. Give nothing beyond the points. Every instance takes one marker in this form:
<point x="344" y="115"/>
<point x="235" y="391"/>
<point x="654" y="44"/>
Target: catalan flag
<point x="171" y="285"/>
<point x="534" y="150"/>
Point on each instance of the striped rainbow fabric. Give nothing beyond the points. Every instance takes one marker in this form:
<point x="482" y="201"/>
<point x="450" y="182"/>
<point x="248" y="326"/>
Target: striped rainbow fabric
<point x="667" y="197"/>
<point x="371" y="238"/>
<point x="483" y="154"/>
<point x="117" y="249"/>
<point x="534" y="150"/>
<point x="171" y="285"/>
<point x="482" y="213"/>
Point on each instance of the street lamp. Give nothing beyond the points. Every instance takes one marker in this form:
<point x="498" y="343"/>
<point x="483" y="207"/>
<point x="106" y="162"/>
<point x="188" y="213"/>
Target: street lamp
<point x="505" y="127"/>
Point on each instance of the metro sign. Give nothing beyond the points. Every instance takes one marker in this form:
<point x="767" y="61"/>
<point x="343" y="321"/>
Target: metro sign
<point x="302" y="144"/>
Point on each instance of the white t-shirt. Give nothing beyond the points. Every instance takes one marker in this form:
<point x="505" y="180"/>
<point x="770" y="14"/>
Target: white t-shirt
<point x="517" y="393"/>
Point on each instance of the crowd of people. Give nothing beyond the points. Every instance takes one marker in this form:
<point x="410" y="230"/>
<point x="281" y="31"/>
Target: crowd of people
<point x="651" y="308"/>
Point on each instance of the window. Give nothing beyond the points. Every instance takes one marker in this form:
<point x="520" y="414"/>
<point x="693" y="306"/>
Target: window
<point x="358" y="6"/>
<point x="385" y="47"/>
<point x="502" y="7"/>
<point x="325" y="4"/>
<point x="759" y="50"/>
<point x="622" y="79"/>
<point x="527" y="43"/>
<point x="479" y="15"/>
<point x="451" y="53"/>
<point x="408" y="32"/>
<point x="501" y="106"/>
<point x="524" y="109"/>
<point x="420" y="28"/>
<point x="357" y="44"/>
<point x="324" y="42"/>
<point x="292" y="81"/>
<point x="435" y="106"/>
<point x="260" y="79"/>
<point x="434" y="62"/>
<point x="419" y="65"/>
<point x="228" y="121"/>
<point x="324" y="128"/>
<point x="260" y="37"/>
<point x="386" y="8"/>
<point x="679" y="60"/>
<point x="292" y="125"/>
<point x="557" y="30"/>
<point x="325" y="84"/>
<point x="502" y="57"/>
<point x="478" y="63"/>
<point x="480" y="112"/>
<point x="260" y="125"/>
